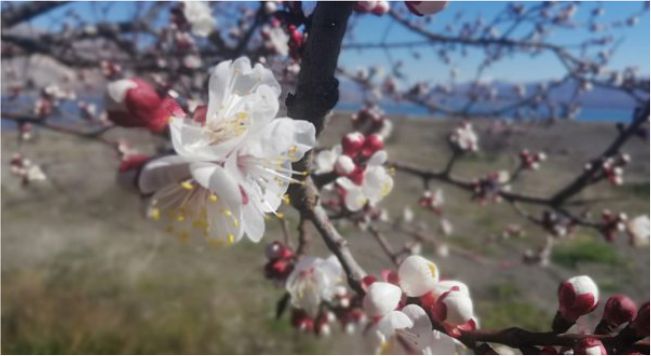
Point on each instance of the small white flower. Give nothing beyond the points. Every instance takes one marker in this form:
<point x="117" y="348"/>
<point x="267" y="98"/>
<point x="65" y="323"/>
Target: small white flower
<point x="325" y="160"/>
<point x="277" y="40"/>
<point x="464" y="138"/>
<point x="314" y="280"/>
<point x="376" y="184"/>
<point x="199" y="15"/>
<point x="638" y="230"/>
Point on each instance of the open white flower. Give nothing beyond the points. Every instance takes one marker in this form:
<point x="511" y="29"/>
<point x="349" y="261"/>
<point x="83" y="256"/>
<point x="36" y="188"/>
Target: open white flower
<point x="193" y="198"/>
<point x="314" y="280"/>
<point x="237" y="150"/>
<point x="242" y="99"/>
<point x="199" y="15"/>
<point x="376" y="184"/>
<point x="263" y="168"/>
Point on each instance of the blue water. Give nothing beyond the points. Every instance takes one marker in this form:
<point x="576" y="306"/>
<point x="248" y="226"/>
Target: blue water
<point x="586" y="113"/>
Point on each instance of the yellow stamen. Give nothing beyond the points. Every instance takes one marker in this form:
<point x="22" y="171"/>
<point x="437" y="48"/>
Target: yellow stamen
<point x="187" y="185"/>
<point x="154" y="214"/>
<point x="231" y="239"/>
<point x="286" y="199"/>
<point x="433" y="269"/>
<point x="213" y="198"/>
<point x="280" y="216"/>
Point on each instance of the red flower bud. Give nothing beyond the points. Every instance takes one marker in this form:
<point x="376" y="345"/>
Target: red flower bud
<point x="577" y="296"/>
<point x="135" y="103"/>
<point x="641" y="323"/>
<point x="301" y="320"/>
<point x="134" y="161"/>
<point x="374" y="143"/>
<point x="277" y="250"/>
<point x="352" y="143"/>
<point x="619" y="309"/>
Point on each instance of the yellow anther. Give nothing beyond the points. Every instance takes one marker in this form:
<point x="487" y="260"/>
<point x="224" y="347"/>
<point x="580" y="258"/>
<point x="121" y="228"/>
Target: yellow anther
<point x="227" y="212"/>
<point x="180" y="217"/>
<point x="154" y="214"/>
<point x="236" y="222"/>
<point x="231" y="239"/>
<point x="280" y="215"/>
<point x="286" y="199"/>
<point x="242" y="115"/>
<point x="187" y="185"/>
<point x="213" y="198"/>
<point x="433" y="269"/>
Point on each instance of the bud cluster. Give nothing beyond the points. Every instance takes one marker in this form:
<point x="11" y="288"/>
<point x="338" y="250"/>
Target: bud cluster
<point x="613" y="168"/>
<point x="371" y="120"/>
<point x="432" y="201"/>
<point x="612" y="224"/>
<point x="26" y="170"/>
<point x="486" y="190"/>
<point x="529" y="160"/>
<point x="281" y="260"/>
<point x="556" y="224"/>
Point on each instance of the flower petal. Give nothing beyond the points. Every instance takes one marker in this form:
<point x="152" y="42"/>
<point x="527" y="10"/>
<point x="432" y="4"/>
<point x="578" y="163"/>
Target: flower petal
<point x="161" y="172"/>
<point x="417" y="276"/>
<point x="382" y="298"/>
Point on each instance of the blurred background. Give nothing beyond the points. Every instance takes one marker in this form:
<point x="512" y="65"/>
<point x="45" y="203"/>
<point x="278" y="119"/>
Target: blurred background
<point x="83" y="271"/>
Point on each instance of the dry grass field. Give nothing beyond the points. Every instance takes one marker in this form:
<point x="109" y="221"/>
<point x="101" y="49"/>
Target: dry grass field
<point x="84" y="272"/>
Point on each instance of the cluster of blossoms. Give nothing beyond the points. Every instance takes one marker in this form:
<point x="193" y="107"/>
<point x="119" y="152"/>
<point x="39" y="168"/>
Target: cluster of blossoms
<point x="579" y="296"/>
<point x="233" y="157"/>
<point x="432" y="201"/>
<point x="281" y="260"/>
<point x="529" y="160"/>
<point x="195" y="15"/>
<point x="49" y="99"/>
<point x="612" y="224"/>
<point x="613" y="168"/>
<point x="557" y="225"/>
<point x="397" y="325"/>
<point x="371" y="120"/>
<point x="26" y="170"/>
<point x="359" y="165"/>
<point x="318" y="296"/>
<point x="487" y="189"/>
<point x="464" y="139"/>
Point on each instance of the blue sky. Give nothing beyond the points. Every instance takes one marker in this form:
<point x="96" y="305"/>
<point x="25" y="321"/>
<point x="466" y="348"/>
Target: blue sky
<point x="633" y="50"/>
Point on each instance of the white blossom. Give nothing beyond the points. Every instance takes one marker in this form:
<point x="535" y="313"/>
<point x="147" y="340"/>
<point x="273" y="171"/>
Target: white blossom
<point x="314" y="280"/>
<point x="375" y="185"/>
<point x="199" y="16"/>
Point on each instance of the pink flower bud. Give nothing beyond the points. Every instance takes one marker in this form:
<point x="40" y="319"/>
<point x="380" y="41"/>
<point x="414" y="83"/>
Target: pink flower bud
<point x="576" y="297"/>
<point x="641" y="323"/>
<point x="302" y="321"/>
<point x="373" y="144"/>
<point x="277" y="250"/>
<point x="352" y="143"/>
<point x="453" y="308"/>
<point x="344" y="165"/>
<point x="619" y="309"/>
<point x="135" y="103"/>
<point x="421" y="8"/>
<point x="590" y="346"/>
